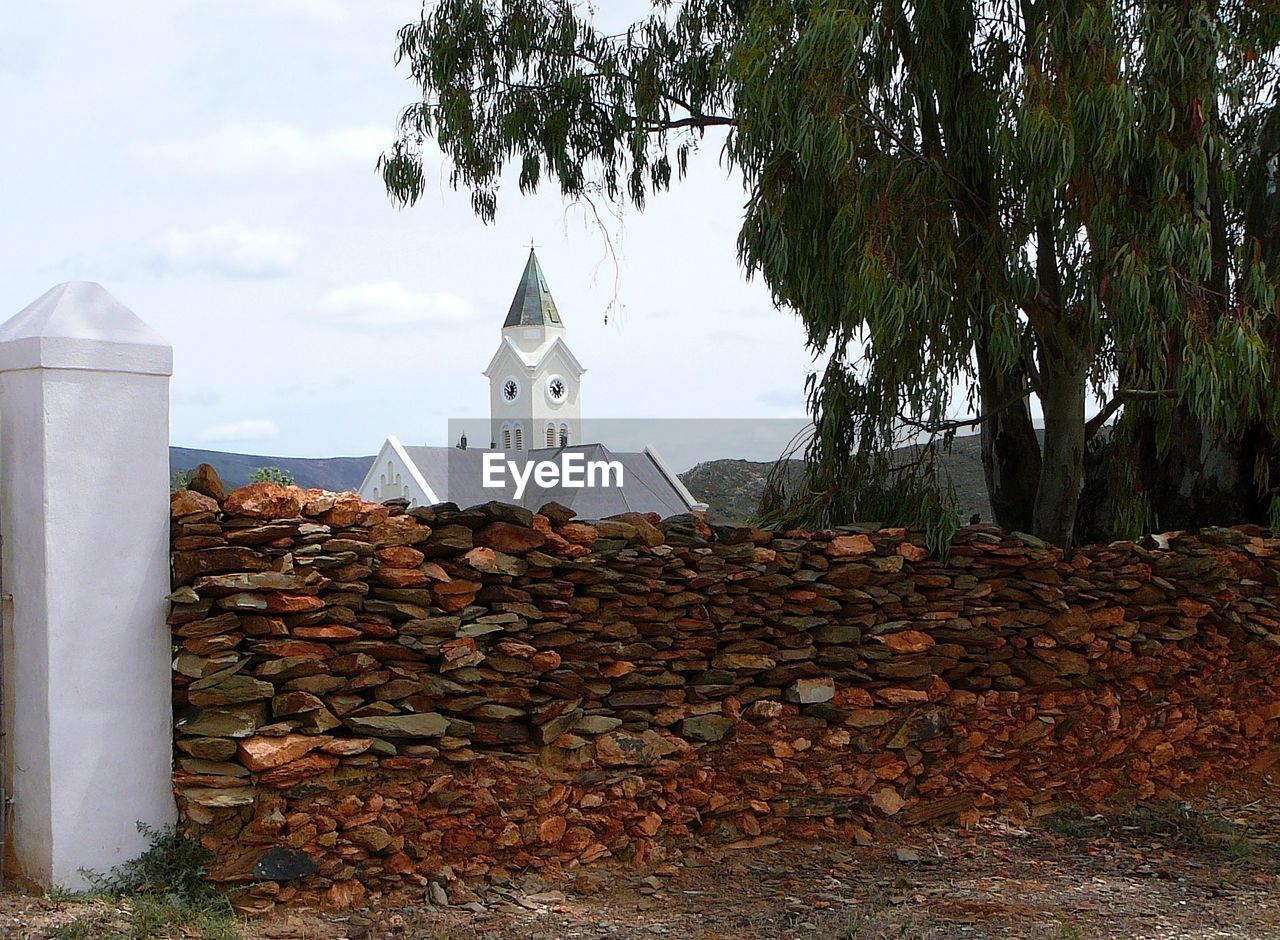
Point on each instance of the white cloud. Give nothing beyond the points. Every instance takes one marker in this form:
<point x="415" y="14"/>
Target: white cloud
<point x="230" y="251"/>
<point x="250" y="429"/>
<point x="390" y="305"/>
<point x="259" y="147"/>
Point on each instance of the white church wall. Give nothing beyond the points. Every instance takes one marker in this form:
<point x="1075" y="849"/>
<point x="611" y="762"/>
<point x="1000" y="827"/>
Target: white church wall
<point x="394" y="476"/>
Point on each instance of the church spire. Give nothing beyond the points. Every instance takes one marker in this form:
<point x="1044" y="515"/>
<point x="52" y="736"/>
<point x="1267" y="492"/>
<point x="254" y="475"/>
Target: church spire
<point x="532" y="305"/>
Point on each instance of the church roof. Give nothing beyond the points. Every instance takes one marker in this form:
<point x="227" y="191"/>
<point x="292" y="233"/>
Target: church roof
<point x="457" y="475"/>
<point x="532" y="304"/>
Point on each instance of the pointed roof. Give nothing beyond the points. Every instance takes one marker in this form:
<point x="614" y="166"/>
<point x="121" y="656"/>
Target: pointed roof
<point x="78" y="325"/>
<point x="532" y="305"/>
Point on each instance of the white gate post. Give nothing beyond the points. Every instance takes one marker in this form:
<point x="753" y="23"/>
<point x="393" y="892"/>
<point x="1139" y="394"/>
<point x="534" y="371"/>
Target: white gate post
<point x="84" y="542"/>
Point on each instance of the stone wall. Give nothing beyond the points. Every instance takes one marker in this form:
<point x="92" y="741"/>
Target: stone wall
<point x="370" y="698"/>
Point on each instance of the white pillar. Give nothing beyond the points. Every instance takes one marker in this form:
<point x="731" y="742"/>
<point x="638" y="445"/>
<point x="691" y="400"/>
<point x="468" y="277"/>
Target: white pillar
<point x="84" y="563"/>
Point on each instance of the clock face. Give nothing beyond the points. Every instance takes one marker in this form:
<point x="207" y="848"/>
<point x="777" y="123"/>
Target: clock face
<point x="556" y="388"/>
<point x="510" y="389"/>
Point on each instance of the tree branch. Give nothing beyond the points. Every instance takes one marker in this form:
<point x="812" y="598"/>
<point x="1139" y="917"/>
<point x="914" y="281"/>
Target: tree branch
<point x="969" y="422"/>
<point x="1121" y="396"/>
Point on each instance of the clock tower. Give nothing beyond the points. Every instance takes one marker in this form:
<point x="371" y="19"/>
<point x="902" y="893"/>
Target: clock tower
<point x="534" y="380"/>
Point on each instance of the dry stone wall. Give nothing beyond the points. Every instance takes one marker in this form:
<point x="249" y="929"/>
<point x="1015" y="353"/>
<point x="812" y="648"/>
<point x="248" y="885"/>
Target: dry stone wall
<point x="370" y="698"/>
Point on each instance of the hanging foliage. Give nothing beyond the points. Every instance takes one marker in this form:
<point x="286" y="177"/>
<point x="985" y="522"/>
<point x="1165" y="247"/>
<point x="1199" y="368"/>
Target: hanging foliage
<point x="970" y="205"/>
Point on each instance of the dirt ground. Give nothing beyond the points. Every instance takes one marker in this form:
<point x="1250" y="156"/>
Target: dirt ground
<point x="1167" y="873"/>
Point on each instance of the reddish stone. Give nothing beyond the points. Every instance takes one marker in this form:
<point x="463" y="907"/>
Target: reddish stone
<point x="402" y="577"/>
<point x="912" y="552"/>
<point x="257" y="625"/>
<point x="280" y="649"/>
<point x="264" y="501"/>
<point x="291" y="774"/>
<point x="552" y="829"/>
<point x="263" y="753"/>
<point x="399" y="531"/>
<point x="399" y="556"/>
<point x="579" y="533"/>
<point x="327" y="632"/>
<point x="188" y="503"/>
<point x="345" y="894"/>
<point x="545" y="661"/>
<point x="903" y="696"/>
<point x="509" y="538"/>
<point x="907" y="641"/>
<point x="293" y="603"/>
<point x="844" y="546"/>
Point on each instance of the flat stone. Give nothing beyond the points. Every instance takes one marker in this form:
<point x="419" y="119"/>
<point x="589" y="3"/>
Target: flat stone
<point x="491" y="561"/>
<point x="223" y="722"/>
<point x="417" y="725"/>
<point x="811" y="691"/>
<point x="262" y="753"/>
<point x="708" y="728"/>
<point x="214" y="585"/>
<point x="622" y="749"/>
<point x="233" y="690"/>
<point x="762" y="710"/>
<point x="837" y="633"/>
<point x="743" y="662"/>
<point x="887" y="801"/>
<point x="219" y="797"/>
<point x="188" y="565"/>
<point x="186" y="503"/>
<point x="211" y="749"/>
<point x="1064" y="661"/>
<point x="907" y="641"/>
<point x="370" y="838"/>
<point x="399" y="530"/>
<point x="846" y="546"/>
<point x="509" y="538"/>
<point x="596" y="724"/>
<point x="645" y="531"/>
<point x="548" y="731"/>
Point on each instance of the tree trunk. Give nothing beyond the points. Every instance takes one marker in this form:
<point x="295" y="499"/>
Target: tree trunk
<point x="1062" y="468"/>
<point x="1010" y="449"/>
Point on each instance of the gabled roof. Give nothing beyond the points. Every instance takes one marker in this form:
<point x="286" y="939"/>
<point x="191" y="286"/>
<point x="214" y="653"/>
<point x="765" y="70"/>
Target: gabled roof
<point x="648" y="485"/>
<point x="533" y="360"/>
<point x="392" y="448"/>
<point x="532" y="304"/>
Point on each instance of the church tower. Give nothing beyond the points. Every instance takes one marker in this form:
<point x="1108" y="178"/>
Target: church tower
<point x="534" y="380"/>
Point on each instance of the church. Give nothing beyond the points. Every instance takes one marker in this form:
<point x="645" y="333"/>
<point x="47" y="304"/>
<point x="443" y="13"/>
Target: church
<point x="535" y="426"/>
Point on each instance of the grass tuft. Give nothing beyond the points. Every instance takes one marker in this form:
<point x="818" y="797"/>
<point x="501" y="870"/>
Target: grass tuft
<point x="1177" y="825"/>
<point x="161" y="893"/>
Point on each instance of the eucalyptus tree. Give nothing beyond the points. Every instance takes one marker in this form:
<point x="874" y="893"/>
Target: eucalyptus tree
<point x="968" y="203"/>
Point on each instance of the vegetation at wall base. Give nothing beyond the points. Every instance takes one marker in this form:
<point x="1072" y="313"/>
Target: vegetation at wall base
<point x="968" y="204"/>
<point x="1177" y="825"/>
<point x="162" y="892"/>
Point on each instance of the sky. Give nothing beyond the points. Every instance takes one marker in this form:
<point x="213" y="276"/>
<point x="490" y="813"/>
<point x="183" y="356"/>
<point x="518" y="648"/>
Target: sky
<point x="211" y="163"/>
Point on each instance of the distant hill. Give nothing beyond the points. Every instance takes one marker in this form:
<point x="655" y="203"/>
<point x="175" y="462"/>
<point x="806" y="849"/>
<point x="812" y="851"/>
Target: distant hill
<point x="732" y="488"/>
<point x="328" y="473"/>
